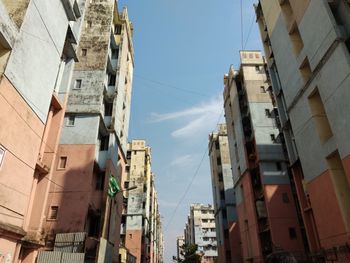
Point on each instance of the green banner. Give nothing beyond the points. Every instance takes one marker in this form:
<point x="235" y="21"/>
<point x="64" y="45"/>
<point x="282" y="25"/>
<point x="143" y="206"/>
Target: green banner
<point x="113" y="186"/>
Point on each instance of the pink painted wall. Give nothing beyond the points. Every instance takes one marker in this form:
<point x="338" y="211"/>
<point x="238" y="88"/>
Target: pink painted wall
<point x="282" y="216"/>
<point x="21" y="139"/>
<point x="72" y="189"/>
<point x="235" y="242"/>
<point x="246" y="211"/>
<point x="328" y="218"/>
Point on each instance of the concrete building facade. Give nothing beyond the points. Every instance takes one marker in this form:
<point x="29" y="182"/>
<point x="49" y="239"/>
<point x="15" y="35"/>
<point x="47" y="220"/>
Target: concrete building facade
<point x="267" y="216"/>
<point x="226" y="219"/>
<point x="38" y="42"/>
<point x="141" y="223"/>
<point x="307" y="45"/>
<point x="92" y="148"/>
<point x="180" y="242"/>
<point x="200" y="230"/>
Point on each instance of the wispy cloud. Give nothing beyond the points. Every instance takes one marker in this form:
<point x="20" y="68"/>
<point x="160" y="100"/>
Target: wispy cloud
<point x="195" y="120"/>
<point x="182" y="160"/>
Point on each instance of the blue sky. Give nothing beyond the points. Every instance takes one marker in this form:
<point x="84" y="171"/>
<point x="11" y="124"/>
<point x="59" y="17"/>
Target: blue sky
<point x="182" y="50"/>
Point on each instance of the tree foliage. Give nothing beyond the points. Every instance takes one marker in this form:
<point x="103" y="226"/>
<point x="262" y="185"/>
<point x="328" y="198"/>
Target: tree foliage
<point x="190" y="254"/>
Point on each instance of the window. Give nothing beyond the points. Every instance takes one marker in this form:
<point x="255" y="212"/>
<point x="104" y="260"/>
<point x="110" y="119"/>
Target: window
<point x="292" y="233"/>
<point x="84" y="52"/>
<point x="257" y="69"/>
<point x="62" y="162"/>
<point x="268" y="113"/>
<point x="108" y="108"/>
<point x="53" y="213"/>
<point x="71" y="120"/>
<point x="224" y="213"/>
<point x="126" y="185"/>
<point x="77" y="84"/>
<point x="217" y="145"/>
<point x="2" y="155"/>
<point x="100" y="181"/>
<point x="94" y="225"/>
<point x="104" y="143"/>
<point x="278" y="166"/>
<point x="118" y="29"/>
<point x="222" y="195"/>
<point x="115" y="53"/>
<point x="273" y="137"/>
<point x="88" y="24"/>
<point x="285" y="198"/>
<point x="111" y="80"/>
<point x="262" y="89"/>
<point x="220" y="177"/>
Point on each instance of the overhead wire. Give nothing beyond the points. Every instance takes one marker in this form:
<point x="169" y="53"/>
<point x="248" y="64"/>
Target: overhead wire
<point x="192" y="179"/>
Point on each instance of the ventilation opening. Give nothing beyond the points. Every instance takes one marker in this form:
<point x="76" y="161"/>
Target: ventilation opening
<point x="334" y="5"/>
<point x="320" y="117"/>
<point x="305" y="70"/>
<point x="287" y="12"/>
<point x="296" y="39"/>
<point x="4" y="55"/>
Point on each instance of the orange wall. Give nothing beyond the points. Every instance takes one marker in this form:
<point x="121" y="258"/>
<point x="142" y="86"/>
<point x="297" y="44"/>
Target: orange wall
<point x="235" y="242"/>
<point x="346" y="164"/>
<point x="133" y="243"/>
<point x="20" y="133"/>
<point x="281" y="217"/>
<point x="246" y="211"/>
<point x="329" y="222"/>
<point x="72" y="188"/>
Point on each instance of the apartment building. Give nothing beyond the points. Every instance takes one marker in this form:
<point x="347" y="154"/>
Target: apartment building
<point x="38" y="43"/>
<point x="202" y="232"/>
<point x="141" y="223"/>
<point x="92" y="149"/>
<point x="180" y="242"/>
<point x="267" y="216"/>
<point x="226" y="220"/>
<point x="307" y="46"/>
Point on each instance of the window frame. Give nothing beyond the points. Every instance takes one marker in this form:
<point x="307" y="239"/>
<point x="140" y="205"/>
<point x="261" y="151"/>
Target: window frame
<point x="50" y="214"/>
<point x="70" y="117"/>
<point x="60" y="162"/>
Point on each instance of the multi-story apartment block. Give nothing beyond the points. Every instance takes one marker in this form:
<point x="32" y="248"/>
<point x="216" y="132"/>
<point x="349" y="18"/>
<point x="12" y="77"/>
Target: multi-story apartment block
<point x="266" y="209"/>
<point x="141" y="224"/>
<point x="93" y="141"/>
<point x="201" y="225"/>
<point x="180" y="242"/>
<point x="307" y="44"/>
<point x="38" y="41"/>
<point x="226" y="220"/>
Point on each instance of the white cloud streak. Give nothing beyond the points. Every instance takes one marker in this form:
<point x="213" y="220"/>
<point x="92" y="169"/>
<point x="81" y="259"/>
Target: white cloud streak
<point x="195" y="120"/>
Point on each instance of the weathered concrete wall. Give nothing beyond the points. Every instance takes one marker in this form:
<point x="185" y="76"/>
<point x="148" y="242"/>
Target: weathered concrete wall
<point x="40" y="43"/>
<point x="78" y="134"/>
<point x="16" y="10"/>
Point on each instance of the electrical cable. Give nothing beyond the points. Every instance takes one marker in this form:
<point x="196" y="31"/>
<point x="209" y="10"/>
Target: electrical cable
<point x="192" y="179"/>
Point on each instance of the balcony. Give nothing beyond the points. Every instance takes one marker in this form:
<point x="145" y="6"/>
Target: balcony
<point x="72" y="9"/>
